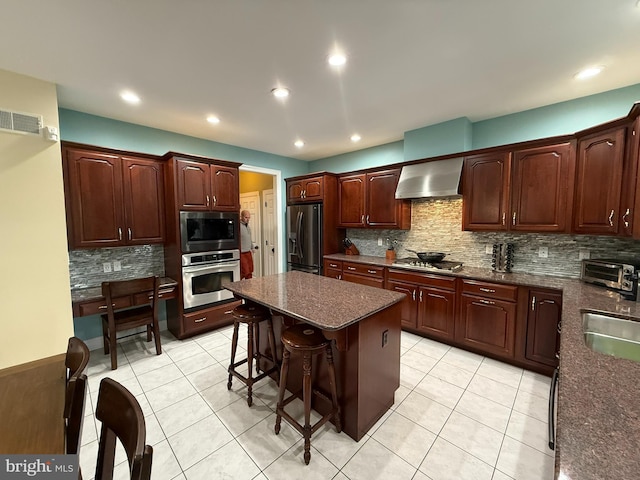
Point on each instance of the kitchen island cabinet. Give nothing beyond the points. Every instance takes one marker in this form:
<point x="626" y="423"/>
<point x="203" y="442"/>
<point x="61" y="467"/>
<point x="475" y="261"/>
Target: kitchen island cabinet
<point x="363" y="321"/>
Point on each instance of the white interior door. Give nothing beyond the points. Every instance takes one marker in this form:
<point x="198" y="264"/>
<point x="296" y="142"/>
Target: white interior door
<point x="269" y="232"/>
<point x="251" y="201"/>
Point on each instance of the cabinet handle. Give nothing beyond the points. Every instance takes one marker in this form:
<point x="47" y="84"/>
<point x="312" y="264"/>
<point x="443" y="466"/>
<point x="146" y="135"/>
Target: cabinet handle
<point x="558" y="355"/>
<point x="368" y="220"/>
<point x="420" y="296"/>
<point x="372" y="271"/>
<point x="119" y="233"/>
<point x="533" y="304"/>
<point x="104" y="307"/>
<point x="351" y="268"/>
<point x="513" y="219"/>
<point x="339" y="276"/>
<point x="611" y="218"/>
<point x="413" y="295"/>
<point x="487" y="302"/>
<point x="610" y="143"/>
<point x="207" y="200"/>
<point x="488" y="290"/>
<point x="333" y="265"/>
<point x="228" y="312"/>
<point x="362" y="220"/>
<point x="215" y="200"/>
<point x="303" y="194"/>
<point x="504" y="218"/>
<point x="559" y="327"/>
<point x="624" y="218"/>
<point x="130" y="236"/>
<point x="200" y="320"/>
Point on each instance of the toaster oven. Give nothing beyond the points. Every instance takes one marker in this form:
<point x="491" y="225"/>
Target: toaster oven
<point x="619" y="275"/>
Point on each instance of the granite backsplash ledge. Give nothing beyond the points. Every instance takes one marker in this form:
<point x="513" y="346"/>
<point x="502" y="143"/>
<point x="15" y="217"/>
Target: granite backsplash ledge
<point x="86" y="267"/>
<point x="436" y="225"/>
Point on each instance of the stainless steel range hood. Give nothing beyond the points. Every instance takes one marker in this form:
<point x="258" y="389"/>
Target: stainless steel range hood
<point x="439" y="178"/>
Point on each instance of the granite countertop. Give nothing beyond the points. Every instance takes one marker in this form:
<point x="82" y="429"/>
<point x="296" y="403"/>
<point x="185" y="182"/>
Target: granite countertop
<point x="598" y="422"/>
<point x="95" y="293"/>
<point x="320" y="301"/>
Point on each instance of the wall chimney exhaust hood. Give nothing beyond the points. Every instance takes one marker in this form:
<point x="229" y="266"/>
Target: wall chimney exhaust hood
<point x="438" y="178"/>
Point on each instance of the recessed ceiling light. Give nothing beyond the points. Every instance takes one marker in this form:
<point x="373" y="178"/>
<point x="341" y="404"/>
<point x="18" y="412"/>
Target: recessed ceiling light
<point x="213" y="119"/>
<point x="280" y="92"/>
<point x="130" y="97"/>
<point x="589" y="72"/>
<point x="355" y="137"/>
<point x="299" y="143"/>
<point x="337" y="59"/>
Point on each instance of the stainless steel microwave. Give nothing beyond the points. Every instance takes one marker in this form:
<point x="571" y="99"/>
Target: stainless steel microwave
<point x="620" y="275"/>
<point x="209" y="231"/>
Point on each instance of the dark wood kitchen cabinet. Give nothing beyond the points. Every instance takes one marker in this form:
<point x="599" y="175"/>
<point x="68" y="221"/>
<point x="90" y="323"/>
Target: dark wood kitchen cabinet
<point x="367" y="200"/>
<point x="543" y="326"/>
<point x="527" y="190"/>
<point x="333" y="269"/>
<point x="305" y="190"/>
<point x="487" y="317"/>
<point x="364" y="274"/>
<point x="598" y="190"/>
<point x="430" y="303"/>
<point x="112" y="199"/>
<point x="207" y="186"/>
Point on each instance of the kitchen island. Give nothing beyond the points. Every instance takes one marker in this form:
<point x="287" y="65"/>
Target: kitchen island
<point x="363" y="321"/>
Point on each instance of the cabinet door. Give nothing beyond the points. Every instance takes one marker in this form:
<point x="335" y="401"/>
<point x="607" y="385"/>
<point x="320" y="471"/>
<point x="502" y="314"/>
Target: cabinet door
<point x="485" y="191"/>
<point x="225" y="188"/>
<point x="409" y="312"/>
<point x="543" y="327"/>
<point x="351" y="201"/>
<point x="143" y="201"/>
<point x="95" y="199"/>
<point x="599" y="181"/>
<point x="631" y="200"/>
<point x="436" y="312"/>
<point x="194" y="185"/>
<point x="313" y="189"/>
<point x="381" y="207"/>
<point x="541" y="188"/>
<point x="487" y="325"/>
<point x="294" y="191"/>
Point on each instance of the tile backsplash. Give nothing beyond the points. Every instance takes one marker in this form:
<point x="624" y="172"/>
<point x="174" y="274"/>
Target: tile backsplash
<point x="86" y="266"/>
<point x="436" y="225"/>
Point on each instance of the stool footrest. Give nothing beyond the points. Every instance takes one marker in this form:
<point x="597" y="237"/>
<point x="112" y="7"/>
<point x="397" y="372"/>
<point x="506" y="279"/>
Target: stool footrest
<point x="254" y="379"/>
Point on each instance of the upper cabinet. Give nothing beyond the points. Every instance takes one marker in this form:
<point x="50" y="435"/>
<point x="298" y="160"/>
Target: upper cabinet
<point x="204" y="186"/>
<point x="367" y="200"/>
<point x="598" y="190"/>
<point x="112" y="200"/>
<point x="301" y="190"/>
<point x="524" y="190"/>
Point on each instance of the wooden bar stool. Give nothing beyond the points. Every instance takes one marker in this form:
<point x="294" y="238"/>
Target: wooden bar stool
<point x="252" y="315"/>
<point x="306" y="340"/>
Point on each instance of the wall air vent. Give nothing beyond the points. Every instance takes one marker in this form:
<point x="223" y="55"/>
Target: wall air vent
<point x="20" y="122"/>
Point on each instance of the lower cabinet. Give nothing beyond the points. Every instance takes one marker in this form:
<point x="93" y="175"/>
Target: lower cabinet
<point x="333" y="269"/>
<point x="430" y="302"/>
<point x="487" y="319"/>
<point x="543" y="326"/>
<point x="363" y="274"/>
<point x="199" y="321"/>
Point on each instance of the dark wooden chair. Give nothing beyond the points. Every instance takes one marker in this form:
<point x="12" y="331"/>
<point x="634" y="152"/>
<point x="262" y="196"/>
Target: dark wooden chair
<point x="116" y="320"/>
<point x="122" y="419"/>
<point x="77" y="389"/>
<point x="76" y="362"/>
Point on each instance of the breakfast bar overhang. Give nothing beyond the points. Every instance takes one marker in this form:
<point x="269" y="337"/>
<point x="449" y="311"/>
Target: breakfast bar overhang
<point x="365" y="324"/>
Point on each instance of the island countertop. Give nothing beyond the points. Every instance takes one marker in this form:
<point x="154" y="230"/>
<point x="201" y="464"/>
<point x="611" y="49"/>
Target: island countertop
<point x="324" y="302"/>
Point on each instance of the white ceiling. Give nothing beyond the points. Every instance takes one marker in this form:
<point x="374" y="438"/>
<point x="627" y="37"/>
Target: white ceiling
<point x="411" y="63"/>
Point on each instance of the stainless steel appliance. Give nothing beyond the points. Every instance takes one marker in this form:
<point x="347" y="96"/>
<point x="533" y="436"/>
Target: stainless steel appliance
<point x="209" y="231"/>
<point x="619" y="275"/>
<point x="304" y="238"/>
<point x="417" y="264"/>
<point x="205" y="274"/>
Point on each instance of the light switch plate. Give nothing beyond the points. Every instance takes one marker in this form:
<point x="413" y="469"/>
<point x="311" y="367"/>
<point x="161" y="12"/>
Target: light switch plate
<point x="379" y="241"/>
<point x="543" y="252"/>
<point x="117" y="265"/>
<point x="106" y="267"/>
<point x="584" y="254"/>
<point x="488" y="249"/>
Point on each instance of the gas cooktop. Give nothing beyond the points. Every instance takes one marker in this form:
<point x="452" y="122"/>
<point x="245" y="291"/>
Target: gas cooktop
<point x="416" y="264"/>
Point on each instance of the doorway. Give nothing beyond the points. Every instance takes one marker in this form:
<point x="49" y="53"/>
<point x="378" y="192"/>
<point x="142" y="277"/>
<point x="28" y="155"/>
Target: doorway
<point x="260" y="194"/>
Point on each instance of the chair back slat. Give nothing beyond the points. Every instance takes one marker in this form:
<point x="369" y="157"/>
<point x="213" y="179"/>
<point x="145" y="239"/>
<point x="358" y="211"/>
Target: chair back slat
<point x="77" y="390"/>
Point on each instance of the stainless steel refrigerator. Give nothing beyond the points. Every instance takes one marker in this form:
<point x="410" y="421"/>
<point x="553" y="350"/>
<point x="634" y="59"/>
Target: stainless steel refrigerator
<point x="304" y="238"/>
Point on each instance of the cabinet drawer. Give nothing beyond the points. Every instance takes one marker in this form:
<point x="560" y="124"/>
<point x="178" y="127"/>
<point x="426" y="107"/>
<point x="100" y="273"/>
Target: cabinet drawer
<point x="427" y="279"/>
<point x="163" y="294"/>
<point x="370" y="280"/>
<point x="209" y="318"/>
<point x="362" y="269"/>
<point x="491" y="290"/>
<point x="337" y="264"/>
<point x="100" y="306"/>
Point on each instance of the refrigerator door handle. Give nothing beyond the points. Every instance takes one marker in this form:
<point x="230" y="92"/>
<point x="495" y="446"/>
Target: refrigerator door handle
<point x="299" y="235"/>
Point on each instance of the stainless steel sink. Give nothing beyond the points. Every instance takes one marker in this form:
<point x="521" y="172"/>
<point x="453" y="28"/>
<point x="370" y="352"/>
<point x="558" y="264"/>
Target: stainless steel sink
<point x="611" y="335"/>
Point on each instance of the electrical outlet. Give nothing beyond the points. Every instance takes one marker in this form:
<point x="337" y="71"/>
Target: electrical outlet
<point x="106" y="267"/>
<point x="543" y="252"/>
<point x="117" y="265"/>
<point x="584" y="254"/>
<point x="379" y="241"/>
<point x="488" y="249"/>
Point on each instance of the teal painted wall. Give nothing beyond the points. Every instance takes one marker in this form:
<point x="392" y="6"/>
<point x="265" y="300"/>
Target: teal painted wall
<point x="440" y="139"/>
<point x="557" y="119"/>
<point x="366" y="158"/>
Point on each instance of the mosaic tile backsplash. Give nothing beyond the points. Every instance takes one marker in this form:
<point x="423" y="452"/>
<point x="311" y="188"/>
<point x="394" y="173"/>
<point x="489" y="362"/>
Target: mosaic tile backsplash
<point x="86" y="266"/>
<point x="436" y="226"/>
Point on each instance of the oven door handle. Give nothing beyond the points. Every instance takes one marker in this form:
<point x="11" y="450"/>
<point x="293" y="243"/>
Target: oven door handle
<point x="212" y="267"/>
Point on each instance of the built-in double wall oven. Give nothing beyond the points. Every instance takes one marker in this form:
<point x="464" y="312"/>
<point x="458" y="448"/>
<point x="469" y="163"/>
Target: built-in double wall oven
<point x="210" y="243"/>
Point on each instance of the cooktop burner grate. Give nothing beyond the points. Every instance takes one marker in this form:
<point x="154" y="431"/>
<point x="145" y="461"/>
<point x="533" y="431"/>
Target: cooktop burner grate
<point x="416" y="263"/>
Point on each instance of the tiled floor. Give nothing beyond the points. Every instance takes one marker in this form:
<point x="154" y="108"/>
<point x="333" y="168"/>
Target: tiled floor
<point x="457" y="415"/>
